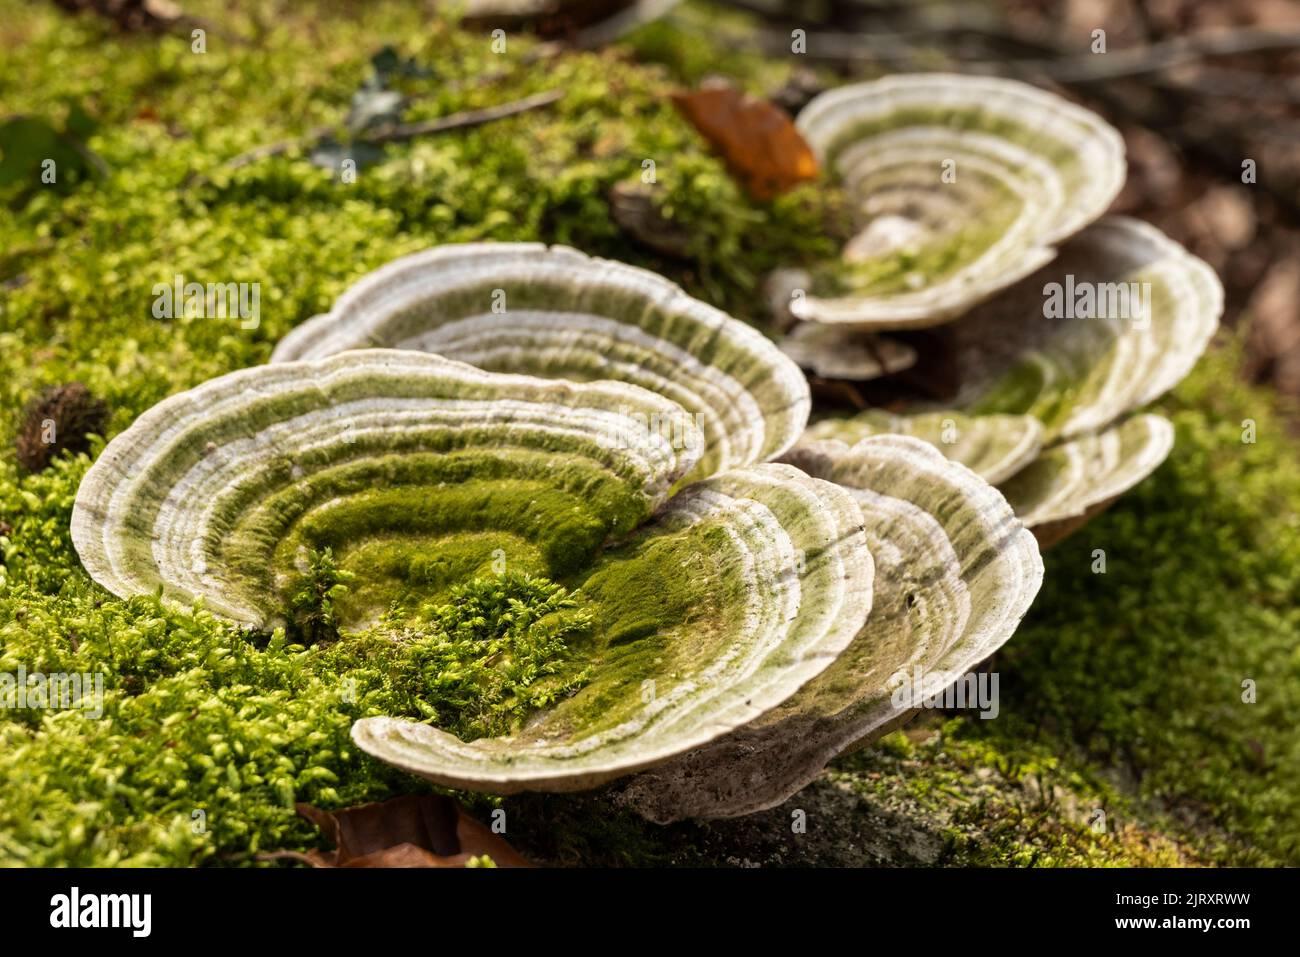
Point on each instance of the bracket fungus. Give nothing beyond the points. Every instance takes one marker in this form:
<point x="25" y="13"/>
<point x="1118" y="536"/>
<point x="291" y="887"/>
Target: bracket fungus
<point x="1053" y="368"/>
<point x="558" y="313"/>
<point x="711" y="602"/>
<point x="216" y="493"/>
<point x="830" y="352"/>
<point x="954" y="573"/>
<point x="962" y="185"/>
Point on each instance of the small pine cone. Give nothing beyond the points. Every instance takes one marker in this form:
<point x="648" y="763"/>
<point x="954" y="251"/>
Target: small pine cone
<point x="60" y="418"/>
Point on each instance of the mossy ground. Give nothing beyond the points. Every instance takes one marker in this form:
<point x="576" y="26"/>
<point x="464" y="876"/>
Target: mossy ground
<point x="1122" y="693"/>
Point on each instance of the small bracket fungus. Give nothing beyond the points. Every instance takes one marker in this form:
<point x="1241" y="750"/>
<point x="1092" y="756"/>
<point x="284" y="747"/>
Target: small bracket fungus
<point x="954" y="574"/>
<point x="1053" y="368"/>
<point x="962" y="186"/>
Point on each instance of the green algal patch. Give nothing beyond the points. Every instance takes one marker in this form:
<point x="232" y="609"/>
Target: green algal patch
<point x="898" y="272"/>
<point x="980" y="803"/>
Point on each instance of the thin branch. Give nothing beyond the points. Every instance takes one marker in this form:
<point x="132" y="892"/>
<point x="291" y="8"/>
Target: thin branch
<point x="1235" y="84"/>
<point x="456" y="121"/>
<point x="402" y="131"/>
<point x="1165" y="55"/>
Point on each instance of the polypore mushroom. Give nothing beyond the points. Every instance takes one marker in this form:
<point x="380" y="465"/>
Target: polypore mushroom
<point x="962" y="185"/>
<point x="558" y="313"/>
<point x="711" y="606"/>
<point x="995" y="447"/>
<point x="1052" y="365"/>
<point x="954" y="573"/>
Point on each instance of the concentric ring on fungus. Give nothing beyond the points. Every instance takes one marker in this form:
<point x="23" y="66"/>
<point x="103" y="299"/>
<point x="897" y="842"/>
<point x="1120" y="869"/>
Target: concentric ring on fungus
<point x="962" y="186"/>
<point x="723" y="598"/>
<point x="558" y="313"/>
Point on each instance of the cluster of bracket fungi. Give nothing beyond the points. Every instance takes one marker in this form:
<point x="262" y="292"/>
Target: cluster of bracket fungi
<point x="510" y="398"/>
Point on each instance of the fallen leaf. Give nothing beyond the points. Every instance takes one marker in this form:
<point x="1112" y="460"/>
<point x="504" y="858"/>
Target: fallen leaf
<point x="756" y="138"/>
<point x="415" y="830"/>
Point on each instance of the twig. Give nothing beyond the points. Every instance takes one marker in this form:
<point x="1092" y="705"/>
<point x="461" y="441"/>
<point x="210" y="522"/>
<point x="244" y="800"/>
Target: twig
<point x="405" y="131"/>
<point x="398" y="132"/>
<point x="1164" y="55"/>
<point x="1235" y="84"/>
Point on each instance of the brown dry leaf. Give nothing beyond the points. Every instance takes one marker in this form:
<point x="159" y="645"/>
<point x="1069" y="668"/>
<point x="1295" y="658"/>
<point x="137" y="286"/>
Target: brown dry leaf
<point x="756" y="138"/>
<point x="415" y="830"/>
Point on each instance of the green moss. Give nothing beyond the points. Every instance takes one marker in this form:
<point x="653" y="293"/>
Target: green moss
<point x="495" y="652"/>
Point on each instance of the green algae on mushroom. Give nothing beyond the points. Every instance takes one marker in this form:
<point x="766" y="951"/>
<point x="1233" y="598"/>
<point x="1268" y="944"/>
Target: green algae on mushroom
<point x="994" y="447"/>
<point x="954" y="574"/>
<point x="779" y="579"/>
<point x="219" y="493"/>
<point x="555" y="312"/>
<point x="963" y="186"/>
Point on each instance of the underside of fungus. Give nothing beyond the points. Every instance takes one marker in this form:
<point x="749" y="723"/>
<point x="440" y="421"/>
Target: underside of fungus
<point x="961" y="186"/>
<point x="954" y="574"/>
<point x="557" y="313"/>
<point x="837" y="353"/>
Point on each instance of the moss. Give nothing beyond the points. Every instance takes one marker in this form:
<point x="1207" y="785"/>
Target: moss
<point x="498" y="650"/>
